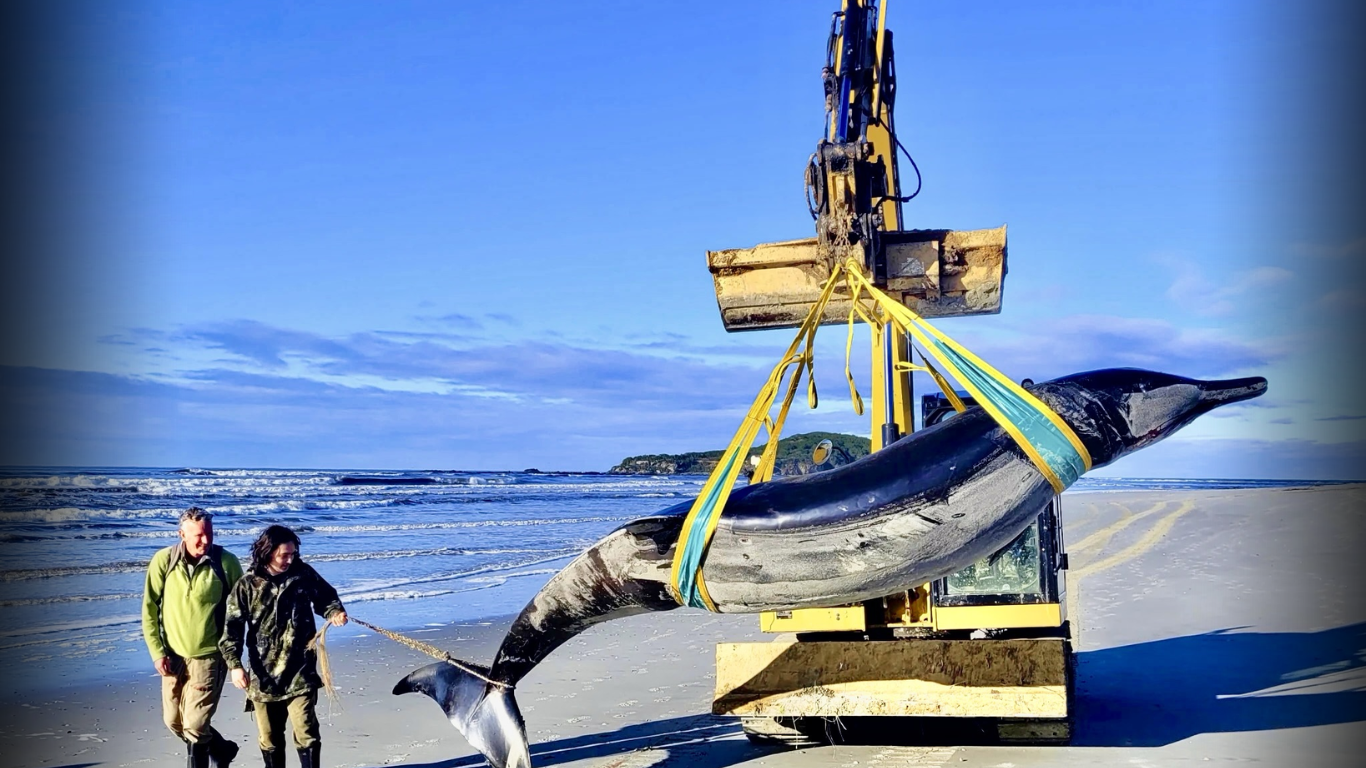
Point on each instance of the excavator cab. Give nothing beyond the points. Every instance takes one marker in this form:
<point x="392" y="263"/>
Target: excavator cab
<point x="1027" y="571"/>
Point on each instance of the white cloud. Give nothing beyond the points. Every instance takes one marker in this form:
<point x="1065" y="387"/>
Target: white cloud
<point x="257" y="394"/>
<point x="1086" y="342"/>
<point x="1244" y="458"/>
<point x="1193" y="291"/>
<point x="1344" y="300"/>
<point x="75" y="418"/>
<point x="1330" y="251"/>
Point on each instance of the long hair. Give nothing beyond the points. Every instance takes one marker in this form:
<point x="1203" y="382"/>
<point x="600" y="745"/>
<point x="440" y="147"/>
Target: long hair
<point x="266" y="544"/>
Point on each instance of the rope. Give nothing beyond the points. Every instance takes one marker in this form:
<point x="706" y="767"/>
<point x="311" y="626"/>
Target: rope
<point x="319" y="645"/>
<point x="430" y="650"/>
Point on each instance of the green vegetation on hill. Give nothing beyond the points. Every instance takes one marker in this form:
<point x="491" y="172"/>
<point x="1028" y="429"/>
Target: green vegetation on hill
<point x="794" y="457"/>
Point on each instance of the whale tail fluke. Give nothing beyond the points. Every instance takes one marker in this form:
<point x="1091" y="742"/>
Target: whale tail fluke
<point x="485" y="713"/>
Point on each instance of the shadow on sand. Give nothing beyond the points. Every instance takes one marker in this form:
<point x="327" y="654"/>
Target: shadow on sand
<point x="1143" y="695"/>
<point x="681" y="741"/>
<point x="1151" y="694"/>
<point x="1161" y="692"/>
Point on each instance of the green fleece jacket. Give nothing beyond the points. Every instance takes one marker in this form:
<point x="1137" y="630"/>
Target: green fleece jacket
<point x="178" y="604"/>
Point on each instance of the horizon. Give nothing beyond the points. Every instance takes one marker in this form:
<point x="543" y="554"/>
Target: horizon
<point x="298" y="237"/>
<point x="540" y="470"/>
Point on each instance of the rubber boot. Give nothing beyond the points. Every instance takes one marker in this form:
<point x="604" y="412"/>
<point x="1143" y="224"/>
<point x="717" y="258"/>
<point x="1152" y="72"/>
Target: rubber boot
<point x="221" y="751"/>
<point x="274" y="758"/>
<point x="197" y="754"/>
<point x="311" y="757"/>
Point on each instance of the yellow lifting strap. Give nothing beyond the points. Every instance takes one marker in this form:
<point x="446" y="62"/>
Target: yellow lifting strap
<point x="686" y="576"/>
<point x="1045" y="438"/>
<point x="939" y="380"/>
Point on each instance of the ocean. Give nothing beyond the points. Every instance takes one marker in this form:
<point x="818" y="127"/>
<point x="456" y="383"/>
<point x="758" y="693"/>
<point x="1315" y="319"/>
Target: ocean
<point x="406" y="550"/>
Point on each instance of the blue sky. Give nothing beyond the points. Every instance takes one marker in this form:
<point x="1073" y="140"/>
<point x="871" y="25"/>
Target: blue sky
<point x="425" y="235"/>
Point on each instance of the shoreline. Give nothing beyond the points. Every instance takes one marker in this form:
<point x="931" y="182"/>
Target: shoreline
<point x="117" y="721"/>
<point x="119" y="655"/>
<point x="114" y="651"/>
<point x="1220" y="624"/>
<point x="104" y="642"/>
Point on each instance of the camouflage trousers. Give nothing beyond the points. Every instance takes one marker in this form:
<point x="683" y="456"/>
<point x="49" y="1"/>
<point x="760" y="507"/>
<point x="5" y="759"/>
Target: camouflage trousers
<point x="302" y="714"/>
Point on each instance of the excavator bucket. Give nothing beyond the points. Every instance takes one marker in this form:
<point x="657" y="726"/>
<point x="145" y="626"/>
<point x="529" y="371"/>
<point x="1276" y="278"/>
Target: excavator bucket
<point x="935" y="272"/>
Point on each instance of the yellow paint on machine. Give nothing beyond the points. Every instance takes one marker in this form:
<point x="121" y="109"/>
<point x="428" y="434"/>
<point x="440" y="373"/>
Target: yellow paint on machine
<point x="993" y="616"/>
<point x="848" y="618"/>
<point x="912" y="611"/>
<point x="945" y="678"/>
<point x="937" y="273"/>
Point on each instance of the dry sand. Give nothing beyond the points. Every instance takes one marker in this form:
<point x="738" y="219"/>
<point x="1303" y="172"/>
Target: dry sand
<point x="1214" y="626"/>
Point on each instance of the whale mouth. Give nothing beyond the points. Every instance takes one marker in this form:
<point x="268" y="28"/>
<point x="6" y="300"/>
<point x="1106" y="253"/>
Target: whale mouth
<point x="1227" y="391"/>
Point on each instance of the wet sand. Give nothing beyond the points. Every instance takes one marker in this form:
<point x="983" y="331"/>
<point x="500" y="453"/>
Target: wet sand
<point x="1212" y="626"/>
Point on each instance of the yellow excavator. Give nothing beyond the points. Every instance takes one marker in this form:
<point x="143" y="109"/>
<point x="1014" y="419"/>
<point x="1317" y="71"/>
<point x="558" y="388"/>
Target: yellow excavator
<point x="988" y="648"/>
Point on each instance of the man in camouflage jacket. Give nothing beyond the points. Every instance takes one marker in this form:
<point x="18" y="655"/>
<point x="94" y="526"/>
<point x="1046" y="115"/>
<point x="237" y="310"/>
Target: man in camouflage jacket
<point x="270" y="614"/>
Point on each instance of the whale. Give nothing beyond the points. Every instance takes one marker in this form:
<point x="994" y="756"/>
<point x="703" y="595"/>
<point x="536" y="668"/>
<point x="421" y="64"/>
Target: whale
<point x="921" y="509"/>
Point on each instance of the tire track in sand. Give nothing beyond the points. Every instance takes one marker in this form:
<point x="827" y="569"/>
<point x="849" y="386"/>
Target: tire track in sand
<point x="1100" y="538"/>
<point x="1146" y="542"/>
<point x="899" y="756"/>
<point x="923" y="756"/>
<point x="644" y="758"/>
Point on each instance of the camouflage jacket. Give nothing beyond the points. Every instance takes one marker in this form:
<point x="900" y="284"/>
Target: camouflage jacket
<point x="271" y="619"/>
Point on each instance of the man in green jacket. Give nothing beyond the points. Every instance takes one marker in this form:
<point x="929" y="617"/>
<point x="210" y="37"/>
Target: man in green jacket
<point x="183" y="608"/>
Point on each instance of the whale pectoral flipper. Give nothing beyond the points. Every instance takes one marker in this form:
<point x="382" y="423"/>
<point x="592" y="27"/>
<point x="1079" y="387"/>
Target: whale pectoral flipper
<point x="485" y="713"/>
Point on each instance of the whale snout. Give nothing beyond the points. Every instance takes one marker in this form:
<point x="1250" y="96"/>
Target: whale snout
<point x="1215" y="393"/>
<point x="1141" y="407"/>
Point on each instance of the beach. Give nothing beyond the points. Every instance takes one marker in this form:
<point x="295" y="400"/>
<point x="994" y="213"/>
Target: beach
<point x="1210" y="625"/>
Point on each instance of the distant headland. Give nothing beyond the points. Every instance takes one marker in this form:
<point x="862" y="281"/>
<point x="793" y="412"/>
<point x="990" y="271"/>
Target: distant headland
<point x="794" y="457"/>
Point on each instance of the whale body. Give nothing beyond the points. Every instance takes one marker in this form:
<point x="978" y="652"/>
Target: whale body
<point x="920" y="509"/>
